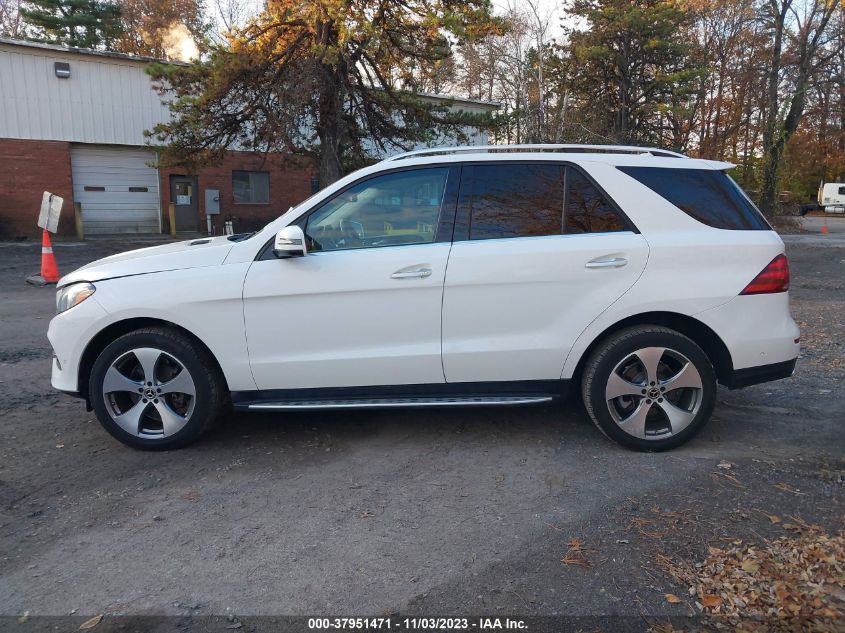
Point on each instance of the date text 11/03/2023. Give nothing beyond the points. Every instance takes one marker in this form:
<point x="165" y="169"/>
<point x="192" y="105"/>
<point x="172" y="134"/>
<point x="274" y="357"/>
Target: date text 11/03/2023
<point x="416" y="624"/>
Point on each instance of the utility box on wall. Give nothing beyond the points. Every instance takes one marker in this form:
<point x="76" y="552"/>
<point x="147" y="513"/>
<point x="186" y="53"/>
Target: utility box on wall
<point x="212" y="202"/>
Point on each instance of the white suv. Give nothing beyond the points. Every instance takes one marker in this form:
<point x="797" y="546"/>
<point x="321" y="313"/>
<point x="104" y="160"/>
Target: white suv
<point x="491" y="276"/>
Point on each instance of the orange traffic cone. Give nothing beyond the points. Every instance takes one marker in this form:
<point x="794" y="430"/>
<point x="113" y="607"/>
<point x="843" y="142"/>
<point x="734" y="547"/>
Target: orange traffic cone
<point x="824" y="226"/>
<point x="49" y="269"/>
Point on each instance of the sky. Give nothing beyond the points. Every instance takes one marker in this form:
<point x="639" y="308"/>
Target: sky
<point x="547" y="8"/>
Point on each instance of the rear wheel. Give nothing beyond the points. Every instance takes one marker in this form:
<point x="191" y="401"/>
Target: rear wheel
<point x="649" y="388"/>
<point x="155" y="389"/>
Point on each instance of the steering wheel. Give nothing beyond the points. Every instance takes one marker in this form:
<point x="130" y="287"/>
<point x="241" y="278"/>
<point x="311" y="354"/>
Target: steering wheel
<point x="350" y="236"/>
<point x="324" y="239"/>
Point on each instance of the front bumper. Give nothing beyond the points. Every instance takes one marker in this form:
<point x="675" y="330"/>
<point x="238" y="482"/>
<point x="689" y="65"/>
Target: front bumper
<point x="69" y="334"/>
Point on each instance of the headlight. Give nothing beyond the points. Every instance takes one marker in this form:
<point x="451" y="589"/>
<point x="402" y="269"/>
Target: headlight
<point x="73" y="295"/>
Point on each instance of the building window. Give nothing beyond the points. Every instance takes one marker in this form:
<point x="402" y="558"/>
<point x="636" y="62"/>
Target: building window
<point x="251" y="187"/>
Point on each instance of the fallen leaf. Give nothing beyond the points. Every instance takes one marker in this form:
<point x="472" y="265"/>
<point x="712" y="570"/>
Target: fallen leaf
<point x="788" y="488"/>
<point x="90" y="624"/>
<point x="750" y="566"/>
<point x="575" y="554"/>
<point x="730" y="478"/>
<point x="835" y="590"/>
<point x="774" y="518"/>
<point x="671" y="598"/>
<point x="710" y="602"/>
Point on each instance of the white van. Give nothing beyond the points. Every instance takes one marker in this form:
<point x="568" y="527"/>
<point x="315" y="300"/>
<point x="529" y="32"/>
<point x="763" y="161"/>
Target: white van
<point x="832" y="197"/>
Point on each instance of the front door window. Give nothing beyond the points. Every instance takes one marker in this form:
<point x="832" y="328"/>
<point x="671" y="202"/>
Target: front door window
<point x="390" y="210"/>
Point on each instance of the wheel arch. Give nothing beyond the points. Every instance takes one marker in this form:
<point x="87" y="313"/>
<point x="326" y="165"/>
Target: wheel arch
<point x="703" y="336"/>
<point x="117" y="329"/>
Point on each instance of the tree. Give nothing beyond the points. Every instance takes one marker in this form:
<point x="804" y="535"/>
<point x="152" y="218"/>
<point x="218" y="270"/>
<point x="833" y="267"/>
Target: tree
<point x="632" y="66"/>
<point x="11" y="23"/>
<point x="78" y="23"/>
<point x="511" y="67"/>
<point x="810" y="46"/>
<point x="151" y="26"/>
<point x="229" y="15"/>
<point x="321" y="78"/>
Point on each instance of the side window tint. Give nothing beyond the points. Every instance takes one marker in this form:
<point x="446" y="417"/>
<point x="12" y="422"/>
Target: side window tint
<point x="516" y="201"/>
<point x="709" y="196"/>
<point x="587" y="210"/>
<point x="390" y="210"/>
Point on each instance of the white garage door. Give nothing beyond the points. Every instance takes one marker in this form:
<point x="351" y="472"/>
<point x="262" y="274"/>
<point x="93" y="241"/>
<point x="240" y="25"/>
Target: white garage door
<point x="117" y="188"/>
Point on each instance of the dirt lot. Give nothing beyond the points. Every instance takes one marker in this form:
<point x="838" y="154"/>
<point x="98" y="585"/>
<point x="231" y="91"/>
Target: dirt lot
<point x="446" y="512"/>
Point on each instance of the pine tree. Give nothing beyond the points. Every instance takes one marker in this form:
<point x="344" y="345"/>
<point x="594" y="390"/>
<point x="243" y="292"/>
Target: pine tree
<point x="632" y="65"/>
<point x="77" y="23"/>
<point x="322" y="78"/>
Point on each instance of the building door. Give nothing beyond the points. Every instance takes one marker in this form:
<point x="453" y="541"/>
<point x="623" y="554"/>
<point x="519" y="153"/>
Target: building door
<point x="117" y="188"/>
<point x="183" y="192"/>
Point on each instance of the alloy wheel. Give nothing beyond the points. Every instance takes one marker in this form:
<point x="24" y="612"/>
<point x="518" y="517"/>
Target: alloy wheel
<point x="654" y="393"/>
<point x="149" y="393"/>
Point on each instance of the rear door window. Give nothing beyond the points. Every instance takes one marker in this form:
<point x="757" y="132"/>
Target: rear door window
<point x="709" y="196"/>
<point x="516" y="200"/>
<point x="587" y="210"/>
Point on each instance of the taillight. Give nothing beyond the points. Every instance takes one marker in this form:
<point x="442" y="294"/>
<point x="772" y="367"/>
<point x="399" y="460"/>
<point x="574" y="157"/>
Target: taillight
<point x="773" y="278"/>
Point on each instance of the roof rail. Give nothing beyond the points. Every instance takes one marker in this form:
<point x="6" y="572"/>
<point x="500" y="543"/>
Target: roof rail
<point x="540" y="147"/>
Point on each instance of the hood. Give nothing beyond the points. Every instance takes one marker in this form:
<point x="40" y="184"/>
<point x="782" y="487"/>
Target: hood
<point x="189" y="254"/>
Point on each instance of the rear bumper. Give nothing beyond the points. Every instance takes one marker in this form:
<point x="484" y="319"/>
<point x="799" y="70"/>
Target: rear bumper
<point x="764" y="373"/>
<point x="757" y="330"/>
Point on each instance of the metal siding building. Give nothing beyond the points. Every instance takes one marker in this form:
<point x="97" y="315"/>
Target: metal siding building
<point x="106" y="100"/>
<point x="72" y="122"/>
<point x="100" y="111"/>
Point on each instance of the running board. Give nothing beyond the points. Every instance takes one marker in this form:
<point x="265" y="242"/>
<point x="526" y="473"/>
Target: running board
<point x="387" y="403"/>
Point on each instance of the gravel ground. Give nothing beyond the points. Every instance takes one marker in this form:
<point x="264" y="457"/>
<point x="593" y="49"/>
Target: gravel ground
<point x="415" y="512"/>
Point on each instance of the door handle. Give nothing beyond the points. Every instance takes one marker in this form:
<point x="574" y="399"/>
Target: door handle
<point x="410" y="273"/>
<point x="616" y="262"/>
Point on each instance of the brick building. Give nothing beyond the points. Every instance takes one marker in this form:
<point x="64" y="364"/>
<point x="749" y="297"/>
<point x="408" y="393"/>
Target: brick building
<point x="72" y="122"/>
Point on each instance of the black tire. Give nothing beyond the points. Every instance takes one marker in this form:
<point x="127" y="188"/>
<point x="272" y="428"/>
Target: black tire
<point x="206" y="380"/>
<point x="619" y="348"/>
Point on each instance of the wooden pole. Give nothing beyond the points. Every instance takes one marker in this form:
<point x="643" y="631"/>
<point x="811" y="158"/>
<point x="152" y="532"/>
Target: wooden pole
<point x="77" y="220"/>
<point x="172" y="213"/>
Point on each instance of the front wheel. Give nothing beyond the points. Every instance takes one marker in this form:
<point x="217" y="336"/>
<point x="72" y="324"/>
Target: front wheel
<point x="155" y="389"/>
<point x="649" y="388"/>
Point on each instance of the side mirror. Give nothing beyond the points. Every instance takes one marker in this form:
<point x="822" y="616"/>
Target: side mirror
<point x="290" y="242"/>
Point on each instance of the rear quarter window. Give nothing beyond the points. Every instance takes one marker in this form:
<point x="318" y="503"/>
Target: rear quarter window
<point x="707" y="195"/>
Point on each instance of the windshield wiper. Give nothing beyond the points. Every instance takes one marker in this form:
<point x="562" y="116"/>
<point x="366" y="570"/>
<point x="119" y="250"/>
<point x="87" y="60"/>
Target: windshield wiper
<point x="240" y="237"/>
